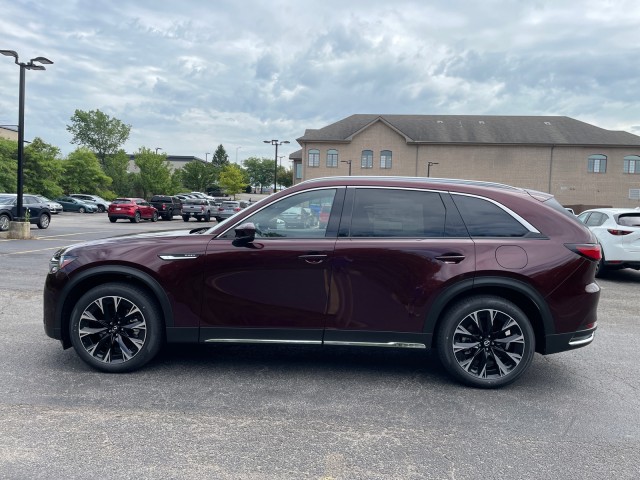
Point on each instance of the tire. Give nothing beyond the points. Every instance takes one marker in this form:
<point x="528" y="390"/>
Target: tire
<point x="44" y="221"/>
<point x="601" y="268"/>
<point x="169" y="216"/>
<point x="472" y="346"/>
<point x="185" y="218"/>
<point x="81" y="210"/>
<point x="207" y="217"/>
<point x="116" y="328"/>
<point x="101" y="209"/>
<point x="112" y="220"/>
<point x="154" y="217"/>
<point x="4" y="222"/>
<point x="199" y="218"/>
<point x="136" y="218"/>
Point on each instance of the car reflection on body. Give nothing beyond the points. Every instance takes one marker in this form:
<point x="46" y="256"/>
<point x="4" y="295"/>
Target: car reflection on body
<point x="485" y="274"/>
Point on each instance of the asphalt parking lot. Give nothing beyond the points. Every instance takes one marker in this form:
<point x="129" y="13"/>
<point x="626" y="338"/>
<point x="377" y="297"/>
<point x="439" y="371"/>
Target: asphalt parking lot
<point x="276" y="412"/>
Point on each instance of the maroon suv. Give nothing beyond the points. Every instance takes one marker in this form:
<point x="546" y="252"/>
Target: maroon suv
<point x="486" y="274"/>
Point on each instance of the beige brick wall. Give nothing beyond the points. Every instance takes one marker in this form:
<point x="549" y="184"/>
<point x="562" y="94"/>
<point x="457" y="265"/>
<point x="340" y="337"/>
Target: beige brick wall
<point x="559" y="170"/>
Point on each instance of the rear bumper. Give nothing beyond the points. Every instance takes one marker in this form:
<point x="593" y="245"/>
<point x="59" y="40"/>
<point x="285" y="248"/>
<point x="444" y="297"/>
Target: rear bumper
<point x="569" y="341"/>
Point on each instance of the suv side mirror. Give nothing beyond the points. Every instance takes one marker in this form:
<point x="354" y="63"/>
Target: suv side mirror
<point x="245" y="234"/>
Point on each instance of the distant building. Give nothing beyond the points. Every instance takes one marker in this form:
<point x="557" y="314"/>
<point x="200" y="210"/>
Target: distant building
<point x="9" y="133"/>
<point x="176" y="162"/>
<point x="579" y="163"/>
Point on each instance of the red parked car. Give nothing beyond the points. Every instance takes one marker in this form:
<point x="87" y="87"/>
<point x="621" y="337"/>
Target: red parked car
<point x="484" y="273"/>
<point x="132" y="209"/>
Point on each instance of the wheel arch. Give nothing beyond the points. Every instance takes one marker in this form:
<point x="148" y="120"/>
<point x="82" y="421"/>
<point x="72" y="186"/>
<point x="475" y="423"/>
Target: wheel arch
<point x="518" y="292"/>
<point x="89" y="279"/>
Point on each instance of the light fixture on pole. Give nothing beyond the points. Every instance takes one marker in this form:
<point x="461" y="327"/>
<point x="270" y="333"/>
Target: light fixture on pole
<point x="206" y="157"/>
<point x="429" y="167"/>
<point x="23" y="66"/>
<point x="158" y="148"/>
<point x="348" y="162"/>
<point x="275" y="170"/>
<point x="237" y="154"/>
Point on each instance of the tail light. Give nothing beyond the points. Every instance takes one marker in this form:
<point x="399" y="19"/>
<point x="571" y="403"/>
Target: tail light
<point x="220" y="209"/>
<point x="237" y="209"/>
<point x="590" y="251"/>
<point x="201" y="208"/>
<point x="615" y="232"/>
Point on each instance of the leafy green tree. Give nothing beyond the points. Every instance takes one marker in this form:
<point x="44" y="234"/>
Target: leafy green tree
<point x="197" y="175"/>
<point x="285" y="176"/>
<point x="42" y="169"/>
<point x="116" y="168"/>
<point x="259" y="171"/>
<point x="232" y="179"/>
<point x="82" y="173"/>
<point x="99" y="132"/>
<point x="8" y="165"/>
<point x="155" y="173"/>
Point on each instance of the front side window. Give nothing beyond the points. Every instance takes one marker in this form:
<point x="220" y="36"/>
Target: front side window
<point x="297" y="216"/>
<point x="367" y="159"/>
<point x="632" y="164"/>
<point x="597" y="164"/>
<point x="314" y="158"/>
<point x="332" y="158"/>
<point x="385" y="159"/>
<point x="397" y="213"/>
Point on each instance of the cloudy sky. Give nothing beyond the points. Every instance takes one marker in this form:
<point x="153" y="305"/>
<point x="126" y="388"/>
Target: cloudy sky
<point x="189" y="75"/>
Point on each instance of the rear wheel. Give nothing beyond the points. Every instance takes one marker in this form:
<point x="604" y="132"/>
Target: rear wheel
<point x="116" y="327"/>
<point x="43" y="221"/>
<point x="601" y="268"/>
<point x="112" y="220"/>
<point x="185" y="218"/>
<point x="207" y="217"/>
<point x="101" y="209"/>
<point x="485" y="341"/>
<point x="81" y="210"/>
<point x="136" y="218"/>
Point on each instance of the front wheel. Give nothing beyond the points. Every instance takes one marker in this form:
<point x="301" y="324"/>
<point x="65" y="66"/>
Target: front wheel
<point x="485" y="341"/>
<point x="4" y="222"/>
<point x="136" y="218"/>
<point x="116" y="328"/>
<point x="154" y="218"/>
<point x="43" y="221"/>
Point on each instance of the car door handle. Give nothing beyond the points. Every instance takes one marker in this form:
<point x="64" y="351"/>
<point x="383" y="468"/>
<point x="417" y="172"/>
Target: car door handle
<point x="450" y="258"/>
<point x="313" y="259"/>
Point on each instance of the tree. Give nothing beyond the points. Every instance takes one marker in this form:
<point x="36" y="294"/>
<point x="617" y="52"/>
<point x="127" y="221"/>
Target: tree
<point x="220" y="159"/>
<point x="285" y="176"/>
<point x="232" y="179"/>
<point x="99" y="132"/>
<point x="116" y="167"/>
<point x="155" y="173"/>
<point x="42" y="169"/>
<point x="8" y="165"/>
<point x="259" y="171"/>
<point x="82" y="173"/>
<point x="197" y="176"/>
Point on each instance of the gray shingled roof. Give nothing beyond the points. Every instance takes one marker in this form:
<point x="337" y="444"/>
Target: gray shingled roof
<point x="478" y="129"/>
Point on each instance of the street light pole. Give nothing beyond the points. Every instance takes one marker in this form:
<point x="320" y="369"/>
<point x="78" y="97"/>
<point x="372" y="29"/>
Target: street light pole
<point x="206" y="156"/>
<point x="23" y="66"/>
<point x="275" y="170"/>
<point x="429" y="167"/>
<point x="348" y="162"/>
<point x="158" y="148"/>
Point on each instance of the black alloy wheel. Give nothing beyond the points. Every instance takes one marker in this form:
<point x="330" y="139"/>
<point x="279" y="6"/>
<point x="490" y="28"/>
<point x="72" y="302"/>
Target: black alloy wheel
<point x="486" y="342"/>
<point x="116" y="328"/>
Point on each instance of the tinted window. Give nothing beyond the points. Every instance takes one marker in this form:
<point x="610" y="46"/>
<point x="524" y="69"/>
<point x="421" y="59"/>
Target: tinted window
<point x="596" y="219"/>
<point x="397" y="213"/>
<point x="629" y="220"/>
<point x="486" y="219"/>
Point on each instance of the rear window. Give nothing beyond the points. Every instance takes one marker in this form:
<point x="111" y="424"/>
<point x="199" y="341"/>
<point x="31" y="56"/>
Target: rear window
<point x="119" y="201"/>
<point x="230" y="204"/>
<point x="195" y="201"/>
<point x="486" y="219"/>
<point x="629" y="219"/>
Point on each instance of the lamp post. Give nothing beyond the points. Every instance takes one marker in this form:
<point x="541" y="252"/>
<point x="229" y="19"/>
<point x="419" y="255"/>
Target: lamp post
<point x="158" y="148"/>
<point x="349" y="163"/>
<point x="23" y="66"/>
<point x="237" y="154"/>
<point x="206" y="157"/>
<point x="429" y="167"/>
<point x="275" y="170"/>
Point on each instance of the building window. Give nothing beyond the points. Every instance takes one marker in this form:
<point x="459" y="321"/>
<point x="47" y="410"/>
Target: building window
<point x="385" y="159"/>
<point x="298" y="171"/>
<point x="597" y="164"/>
<point x="367" y="159"/>
<point x="632" y="164"/>
<point x="314" y="158"/>
<point x="332" y="158"/>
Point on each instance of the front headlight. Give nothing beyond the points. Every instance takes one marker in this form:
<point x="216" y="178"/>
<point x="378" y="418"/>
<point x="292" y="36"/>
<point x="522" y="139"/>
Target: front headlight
<point x="60" y="260"/>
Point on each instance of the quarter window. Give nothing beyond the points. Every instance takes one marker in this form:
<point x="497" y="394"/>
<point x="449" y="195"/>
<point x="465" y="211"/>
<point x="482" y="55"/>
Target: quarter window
<point x="332" y="158"/>
<point x="486" y="219"/>
<point x="367" y="159"/>
<point x="597" y="164"/>
<point x="632" y="164"/>
<point x="314" y="158"/>
<point x="385" y="159"/>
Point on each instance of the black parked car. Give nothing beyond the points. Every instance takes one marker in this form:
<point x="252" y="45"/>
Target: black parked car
<point x="167" y="206"/>
<point x="39" y="213"/>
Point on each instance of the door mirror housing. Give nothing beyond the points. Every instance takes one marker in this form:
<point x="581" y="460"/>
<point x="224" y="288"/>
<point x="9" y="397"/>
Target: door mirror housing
<point x="245" y="234"/>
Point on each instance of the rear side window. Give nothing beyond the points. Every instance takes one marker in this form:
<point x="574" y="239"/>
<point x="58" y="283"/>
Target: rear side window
<point x="596" y="219"/>
<point x="629" y="220"/>
<point x="486" y="219"/>
<point x="397" y="213"/>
